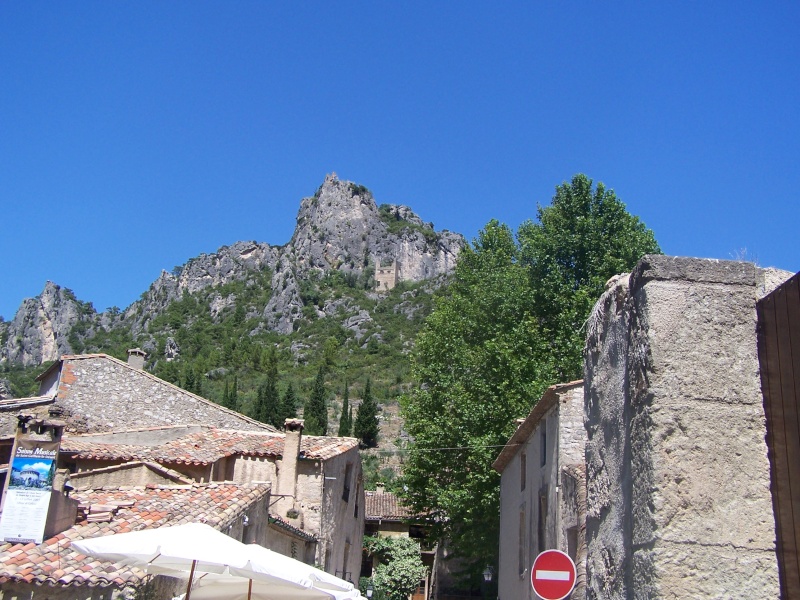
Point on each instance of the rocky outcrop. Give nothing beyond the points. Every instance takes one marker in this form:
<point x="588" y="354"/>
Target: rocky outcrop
<point x="339" y="228"/>
<point x="40" y="330"/>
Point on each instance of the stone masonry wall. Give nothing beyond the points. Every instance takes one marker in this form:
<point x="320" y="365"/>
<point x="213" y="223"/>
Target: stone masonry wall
<point x="677" y="472"/>
<point x="101" y="393"/>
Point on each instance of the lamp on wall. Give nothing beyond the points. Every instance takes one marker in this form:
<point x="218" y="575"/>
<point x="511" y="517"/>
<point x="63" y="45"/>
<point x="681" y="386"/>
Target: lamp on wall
<point x="370" y="591"/>
<point x="487" y="579"/>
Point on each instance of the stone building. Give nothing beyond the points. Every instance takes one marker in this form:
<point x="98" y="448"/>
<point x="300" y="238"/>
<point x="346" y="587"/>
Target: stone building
<point x="542" y="483"/>
<point x="317" y="511"/>
<point x="385" y="515"/>
<point x="96" y="392"/>
<point x="53" y="570"/>
<point x="678" y="479"/>
<point x="385" y="276"/>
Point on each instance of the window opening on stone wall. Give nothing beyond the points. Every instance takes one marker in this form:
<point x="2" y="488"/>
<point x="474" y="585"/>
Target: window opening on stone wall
<point x="523" y="471"/>
<point x="348" y="474"/>
<point x="544" y="442"/>
<point x="542" y="523"/>
<point x="345" y="559"/>
<point x="522" y="565"/>
<point x="572" y="543"/>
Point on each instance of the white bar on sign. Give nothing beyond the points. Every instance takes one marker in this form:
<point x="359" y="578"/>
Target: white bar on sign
<point x="553" y="575"/>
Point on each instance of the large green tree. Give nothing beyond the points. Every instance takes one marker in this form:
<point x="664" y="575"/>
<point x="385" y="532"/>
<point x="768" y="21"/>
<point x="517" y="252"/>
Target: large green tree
<point x="582" y="239"/>
<point x="509" y="325"/>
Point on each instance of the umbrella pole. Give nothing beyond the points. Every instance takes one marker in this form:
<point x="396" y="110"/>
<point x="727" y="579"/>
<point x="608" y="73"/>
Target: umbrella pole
<point x="249" y="588"/>
<point x="191" y="577"/>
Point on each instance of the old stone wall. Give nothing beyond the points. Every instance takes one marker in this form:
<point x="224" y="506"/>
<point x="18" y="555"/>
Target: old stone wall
<point x="101" y="393"/>
<point x="341" y="529"/>
<point x="131" y="474"/>
<point x="571" y="432"/>
<point x="677" y="471"/>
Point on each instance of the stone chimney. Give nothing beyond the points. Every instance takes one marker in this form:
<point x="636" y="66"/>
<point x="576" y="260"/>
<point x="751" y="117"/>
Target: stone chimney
<point x="287" y="476"/>
<point x="136" y="358"/>
<point x="379" y="488"/>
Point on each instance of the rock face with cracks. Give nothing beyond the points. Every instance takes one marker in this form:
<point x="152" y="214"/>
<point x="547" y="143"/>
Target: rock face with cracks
<point x="339" y="228"/>
<point x="678" y="479"/>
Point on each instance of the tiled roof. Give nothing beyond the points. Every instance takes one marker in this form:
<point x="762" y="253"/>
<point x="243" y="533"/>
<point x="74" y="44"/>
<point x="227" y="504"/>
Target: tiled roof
<point x="384" y="506"/>
<point x="280" y="523"/>
<point x="54" y="562"/>
<point x="206" y="447"/>
<point x="142" y="373"/>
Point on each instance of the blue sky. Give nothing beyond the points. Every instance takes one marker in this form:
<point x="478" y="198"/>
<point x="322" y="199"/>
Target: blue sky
<point x="134" y="136"/>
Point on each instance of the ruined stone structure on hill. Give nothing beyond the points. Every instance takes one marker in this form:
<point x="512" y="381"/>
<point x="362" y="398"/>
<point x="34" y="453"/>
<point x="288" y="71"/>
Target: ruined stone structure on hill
<point x="386" y="277"/>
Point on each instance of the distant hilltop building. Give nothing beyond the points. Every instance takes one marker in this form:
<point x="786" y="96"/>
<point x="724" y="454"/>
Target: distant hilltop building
<point x="386" y="277"/>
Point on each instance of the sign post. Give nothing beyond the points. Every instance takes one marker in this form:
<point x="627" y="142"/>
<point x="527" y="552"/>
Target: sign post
<point x="29" y="484"/>
<point x="553" y="575"/>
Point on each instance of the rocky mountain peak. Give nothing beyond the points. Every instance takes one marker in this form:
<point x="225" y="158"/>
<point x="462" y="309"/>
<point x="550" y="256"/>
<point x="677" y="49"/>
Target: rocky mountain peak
<point x="40" y="329"/>
<point x="339" y="228"/>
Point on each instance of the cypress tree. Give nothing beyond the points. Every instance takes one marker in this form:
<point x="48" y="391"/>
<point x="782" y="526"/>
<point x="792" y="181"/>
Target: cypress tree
<point x="235" y="394"/>
<point x="366" y="425"/>
<point x="288" y="408"/>
<point x="345" y="422"/>
<point x="188" y="379"/>
<point x="226" y="394"/>
<point x="315" y="412"/>
<point x="267" y="400"/>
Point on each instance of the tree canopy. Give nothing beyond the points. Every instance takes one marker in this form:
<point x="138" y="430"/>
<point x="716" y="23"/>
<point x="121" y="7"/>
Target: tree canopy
<point x="399" y="569"/>
<point x="509" y="325"/>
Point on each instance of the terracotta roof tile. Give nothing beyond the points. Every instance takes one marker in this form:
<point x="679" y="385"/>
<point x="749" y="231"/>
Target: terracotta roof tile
<point x="384" y="506"/>
<point x="215" y="504"/>
<point x="205" y="447"/>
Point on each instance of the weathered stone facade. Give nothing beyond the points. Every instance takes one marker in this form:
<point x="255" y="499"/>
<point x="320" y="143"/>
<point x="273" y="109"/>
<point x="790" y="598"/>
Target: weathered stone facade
<point x="541" y="498"/>
<point x="677" y="472"/>
<point x="317" y="510"/>
<point x="98" y="393"/>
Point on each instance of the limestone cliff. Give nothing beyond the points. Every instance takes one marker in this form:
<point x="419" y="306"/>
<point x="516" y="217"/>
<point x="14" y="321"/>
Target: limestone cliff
<point x="40" y="330"/>
<point x="339" y="228"/>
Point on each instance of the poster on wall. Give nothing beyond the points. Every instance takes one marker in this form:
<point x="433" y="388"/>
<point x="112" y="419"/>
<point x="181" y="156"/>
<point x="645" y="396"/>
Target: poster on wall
<point x="31" y="474"/>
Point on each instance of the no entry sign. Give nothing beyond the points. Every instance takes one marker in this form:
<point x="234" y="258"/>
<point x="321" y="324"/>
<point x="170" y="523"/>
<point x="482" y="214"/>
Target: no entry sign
<point x="553" y="575"/>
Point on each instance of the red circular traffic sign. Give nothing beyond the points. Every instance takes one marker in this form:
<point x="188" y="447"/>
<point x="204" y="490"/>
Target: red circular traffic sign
<point x="553" y="575"/>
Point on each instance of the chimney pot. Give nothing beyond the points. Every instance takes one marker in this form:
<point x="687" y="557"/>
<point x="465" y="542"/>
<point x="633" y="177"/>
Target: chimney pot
<point x="136" y="358"/>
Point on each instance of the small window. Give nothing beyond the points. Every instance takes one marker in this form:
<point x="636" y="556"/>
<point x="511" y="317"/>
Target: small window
<point x="544" y="443"/>
<point x="523" y="471"/>
<point x="348" y="473"/>
<point x="542" y="528"/>
<point x="523" y="543"/>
